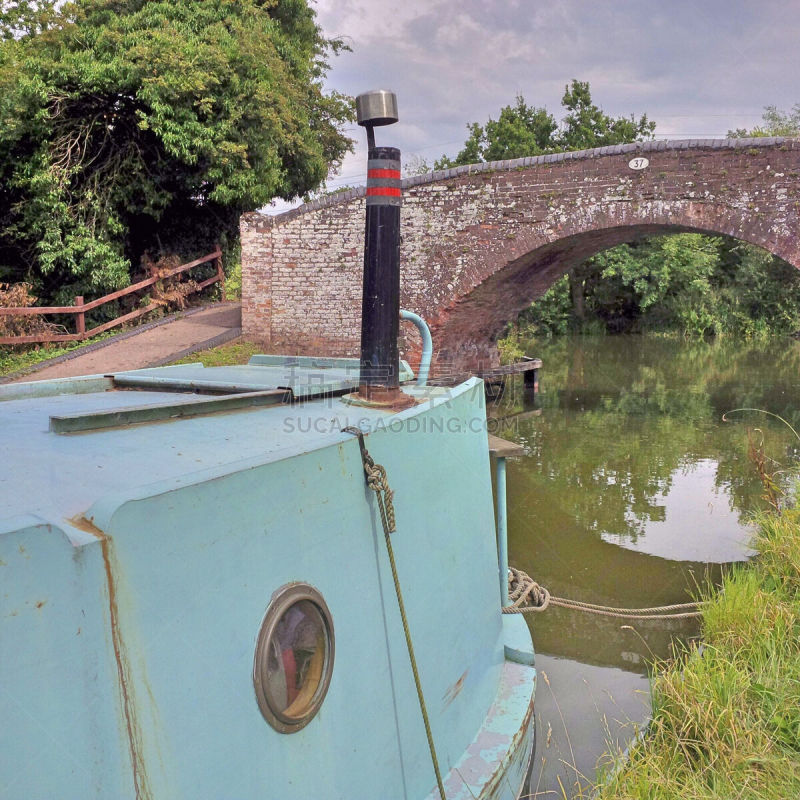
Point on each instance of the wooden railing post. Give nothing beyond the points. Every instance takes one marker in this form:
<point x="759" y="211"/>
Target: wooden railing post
<point x="152" y="274"/>
<point x="80" y="318"/>
<point x="220" y="273"/>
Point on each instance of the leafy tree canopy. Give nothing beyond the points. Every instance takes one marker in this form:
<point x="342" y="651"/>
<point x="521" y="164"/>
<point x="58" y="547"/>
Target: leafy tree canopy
<point x="522" y="130"/>
<point x="128" y="126"/>
<point x="687" y="283"/>
<point x="586" y="126"/>
<point x="774" y="123"/>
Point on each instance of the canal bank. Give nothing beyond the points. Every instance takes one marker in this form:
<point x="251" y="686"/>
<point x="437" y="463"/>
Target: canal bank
<point x="726" y="714"/>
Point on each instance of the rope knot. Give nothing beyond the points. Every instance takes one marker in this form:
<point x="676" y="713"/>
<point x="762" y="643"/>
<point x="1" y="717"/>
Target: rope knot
<point x="377" y="481"/>
<point x="525" y="593"/>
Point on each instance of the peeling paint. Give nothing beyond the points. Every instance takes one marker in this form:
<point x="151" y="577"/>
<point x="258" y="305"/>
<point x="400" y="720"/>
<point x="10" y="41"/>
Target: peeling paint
<point x="125" y="684"/>
<point x="454" y="690"/>
<point x="498" y="756"/>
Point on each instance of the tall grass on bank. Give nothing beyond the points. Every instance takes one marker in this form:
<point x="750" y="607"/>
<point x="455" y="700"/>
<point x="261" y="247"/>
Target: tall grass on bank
<point x="726" y="716"/>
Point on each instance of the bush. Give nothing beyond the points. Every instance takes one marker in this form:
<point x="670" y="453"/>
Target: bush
<point x="18" y="295"/>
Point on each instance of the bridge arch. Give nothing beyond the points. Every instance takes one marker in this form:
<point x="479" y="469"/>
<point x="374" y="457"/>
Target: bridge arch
<point x="481" y="242"/>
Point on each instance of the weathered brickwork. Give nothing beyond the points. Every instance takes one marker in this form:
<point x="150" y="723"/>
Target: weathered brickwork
<point x="481" y="242"/>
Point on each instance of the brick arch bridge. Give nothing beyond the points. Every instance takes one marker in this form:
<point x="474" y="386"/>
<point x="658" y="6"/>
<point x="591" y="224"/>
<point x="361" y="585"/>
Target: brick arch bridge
<point x="481" y="242"/>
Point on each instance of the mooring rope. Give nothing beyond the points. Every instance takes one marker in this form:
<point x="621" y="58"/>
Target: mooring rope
<point x="527" y="597"/>
<point x="378" y="482"/>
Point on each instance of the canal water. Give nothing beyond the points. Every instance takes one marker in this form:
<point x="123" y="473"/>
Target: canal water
<point x="633" y="492"/>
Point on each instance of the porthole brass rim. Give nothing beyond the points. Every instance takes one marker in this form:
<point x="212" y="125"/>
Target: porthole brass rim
<point x="282" y="600"/>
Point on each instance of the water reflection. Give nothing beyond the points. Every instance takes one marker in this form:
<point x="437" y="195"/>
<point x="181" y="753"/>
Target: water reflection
<point x="696" y="521"/>
<point x="633" y="493"/>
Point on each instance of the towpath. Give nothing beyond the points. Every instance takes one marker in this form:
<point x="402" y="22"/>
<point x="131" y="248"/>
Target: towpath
<point x="149" y="345"/>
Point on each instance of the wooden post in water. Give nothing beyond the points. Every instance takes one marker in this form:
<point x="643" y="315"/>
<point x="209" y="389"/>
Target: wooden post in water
<point x="532" y="380"/>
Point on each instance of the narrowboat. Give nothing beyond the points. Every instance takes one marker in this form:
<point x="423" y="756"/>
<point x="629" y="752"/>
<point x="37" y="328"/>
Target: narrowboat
<point x="276" y="580"/>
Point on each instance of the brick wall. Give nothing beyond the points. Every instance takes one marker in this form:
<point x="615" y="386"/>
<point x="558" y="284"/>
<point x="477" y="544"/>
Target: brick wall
<point x="481" y="242"/>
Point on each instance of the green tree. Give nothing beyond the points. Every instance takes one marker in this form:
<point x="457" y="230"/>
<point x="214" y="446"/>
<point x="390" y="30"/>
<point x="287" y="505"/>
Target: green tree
<point x="129" y="126"/>
<point x="775" y="123"/>
<point x="691" y="284"/>
<point x="664" y="282"/>
<point x="522" y="130"/>
<point x="586" y="126"/>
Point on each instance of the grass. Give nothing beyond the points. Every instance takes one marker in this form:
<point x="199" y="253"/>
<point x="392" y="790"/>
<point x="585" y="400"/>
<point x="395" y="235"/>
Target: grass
<point x="12" y="360"/>
<point x="726" y="715"/>
<point x="235" y="352"/>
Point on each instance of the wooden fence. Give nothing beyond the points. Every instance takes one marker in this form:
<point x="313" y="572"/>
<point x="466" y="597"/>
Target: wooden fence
<point x="80" y="308"/>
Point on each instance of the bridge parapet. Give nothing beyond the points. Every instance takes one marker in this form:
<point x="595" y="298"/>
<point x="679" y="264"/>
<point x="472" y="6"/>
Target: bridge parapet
<point x="480" y="242"/>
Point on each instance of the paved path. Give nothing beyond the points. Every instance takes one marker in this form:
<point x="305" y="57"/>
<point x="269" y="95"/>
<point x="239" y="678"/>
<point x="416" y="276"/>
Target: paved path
<point x="154" y="344"/>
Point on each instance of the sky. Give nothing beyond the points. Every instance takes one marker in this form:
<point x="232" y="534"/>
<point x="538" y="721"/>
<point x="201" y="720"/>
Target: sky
<point x="696" y="67"/>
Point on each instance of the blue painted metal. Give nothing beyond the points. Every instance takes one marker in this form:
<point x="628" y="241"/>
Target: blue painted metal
<point x="137" y="564"/>
<point x="427" y="344"/>
<point x="307" y="377"/>
<point x="159" y="412"/>
<point x="517" y="642"/>
<point x="315" y="363"/>
<point x="502" y="530"/>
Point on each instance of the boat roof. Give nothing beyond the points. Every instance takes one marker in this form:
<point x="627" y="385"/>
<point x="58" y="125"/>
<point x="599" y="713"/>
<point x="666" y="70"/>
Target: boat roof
<point x="305" y="376"/>
<point x="68" y="442"/>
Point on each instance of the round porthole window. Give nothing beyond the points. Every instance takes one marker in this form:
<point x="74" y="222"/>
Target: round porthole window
<point x="294" y="657"/>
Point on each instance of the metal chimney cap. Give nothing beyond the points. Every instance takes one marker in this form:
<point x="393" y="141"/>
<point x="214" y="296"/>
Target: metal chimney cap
<point x="378" y="107"/>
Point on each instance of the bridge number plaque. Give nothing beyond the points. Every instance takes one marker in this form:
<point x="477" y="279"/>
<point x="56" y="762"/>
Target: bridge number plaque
<point x="638" y="163"/>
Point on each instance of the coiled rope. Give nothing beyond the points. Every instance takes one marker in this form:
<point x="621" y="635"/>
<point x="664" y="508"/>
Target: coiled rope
<point x="528" y="597"/>
<point x="378" y="482"/>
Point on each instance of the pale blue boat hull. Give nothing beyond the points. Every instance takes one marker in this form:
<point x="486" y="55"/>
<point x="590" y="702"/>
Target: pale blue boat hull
<point x="137" y="563"/>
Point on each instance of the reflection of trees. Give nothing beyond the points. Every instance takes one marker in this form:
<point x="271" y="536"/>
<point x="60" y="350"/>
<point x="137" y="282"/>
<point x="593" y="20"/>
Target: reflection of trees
<point x="603" y="469"/>
<point x="620" y="416"/>
<point x="723" y="369"/>
<point x="558" y="552"/>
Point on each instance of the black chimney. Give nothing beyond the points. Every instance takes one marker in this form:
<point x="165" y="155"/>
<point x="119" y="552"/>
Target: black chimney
<point x="379" y="379"/>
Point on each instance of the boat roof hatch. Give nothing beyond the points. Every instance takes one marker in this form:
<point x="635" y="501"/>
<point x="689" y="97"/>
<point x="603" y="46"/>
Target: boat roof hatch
<point x="304" y="376"/>
<point x="265" y="380"/>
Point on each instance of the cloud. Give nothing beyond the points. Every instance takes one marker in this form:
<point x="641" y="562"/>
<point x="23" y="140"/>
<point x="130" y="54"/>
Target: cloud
<point x="695" y="68"/>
